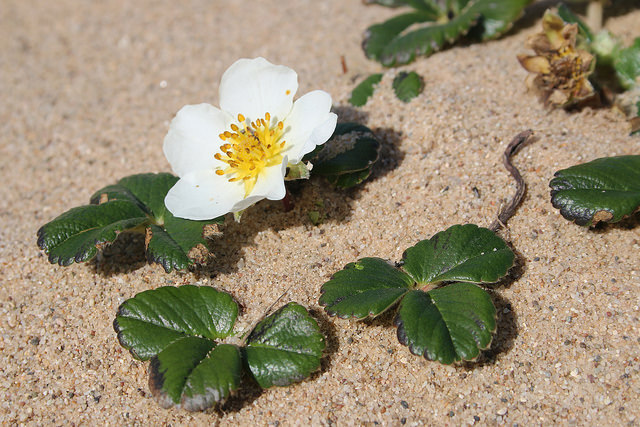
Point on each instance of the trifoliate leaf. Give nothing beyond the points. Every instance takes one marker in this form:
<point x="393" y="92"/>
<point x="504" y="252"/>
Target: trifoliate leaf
<point x="401" y="38"/>
<point x="194" y="373"/>
<point x="151" y="320"/>
<point x="447" y="324"/>
<point x="346" y="159"/>
<point x="135" y="203"/>
<point x="364" y="90"/>
<point x="76" y="235"/>
<point x="606" y="189"/>
<point x="364" y="288"/>
<point x="176" y="329"/>
<point x="627" y="65"/>
<point x="407" y="85"/>
<point x="285" y="347"/>
<point x="465" y="253"/>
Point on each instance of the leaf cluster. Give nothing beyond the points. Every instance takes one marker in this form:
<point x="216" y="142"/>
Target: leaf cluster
<point x="179" y="331"/>
<point x="442" y="314"/>
<point x="432" y="24"/>
<point x="134" y="204"/>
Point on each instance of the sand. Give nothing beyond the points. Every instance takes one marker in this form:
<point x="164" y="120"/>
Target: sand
<point x="88" y="90"/>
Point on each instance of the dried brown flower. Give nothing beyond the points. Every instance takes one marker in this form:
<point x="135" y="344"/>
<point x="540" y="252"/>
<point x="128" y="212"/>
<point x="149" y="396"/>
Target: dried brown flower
<point x="560" y="70"/>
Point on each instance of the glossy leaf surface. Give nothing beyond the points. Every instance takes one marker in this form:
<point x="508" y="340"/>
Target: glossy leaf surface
<point x="606" y="189"/>
<point x="447" y="324"/>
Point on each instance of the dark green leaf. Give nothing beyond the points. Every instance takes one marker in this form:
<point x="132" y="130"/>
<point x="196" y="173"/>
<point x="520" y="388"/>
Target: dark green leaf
<point x="568" y="16"/>
<point x="285" y="347"/>
<point x="348" y="180"/>
<point x="400" y="39"/>
<point x="194" y="373"/>
<point x="498" y="16"/>
<point x="364" y="288"/>
<point x="76" y="234"/>
<point x="465" y="253"/>
<point x="361" y="156"/>
<point x="150" y="321"/>
<point x="448" y="324"/>
<point x="349" y="164"/>
<point x="136" y="201"/>
<point x="627" y="65"/>
<point x="364" y="90"/>
<point x="147" y="189"/>
<point x="407" y="85"/>
<point x="605" y="189"/>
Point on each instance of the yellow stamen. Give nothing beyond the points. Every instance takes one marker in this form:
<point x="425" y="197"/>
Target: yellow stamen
<point x="251" y="149"/>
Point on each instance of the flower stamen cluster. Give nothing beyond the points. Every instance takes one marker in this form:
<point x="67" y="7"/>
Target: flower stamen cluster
<point x="250" y="150"/>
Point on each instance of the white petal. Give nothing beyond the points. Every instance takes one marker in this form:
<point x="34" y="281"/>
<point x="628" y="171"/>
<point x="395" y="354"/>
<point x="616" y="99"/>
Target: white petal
<point x="270" y="185"/>
<point x="310" y="123"/>
<point x="203" y="195"/>
<point x="193" y="138"/>
<point x="253" y="87"/>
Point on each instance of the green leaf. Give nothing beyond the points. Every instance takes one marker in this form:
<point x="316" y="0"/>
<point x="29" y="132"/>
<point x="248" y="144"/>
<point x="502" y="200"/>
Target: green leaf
<point x="348" y="180"/>
<point x="465" y="253"/>
<point x="364" y="288"/>
<point x="194" y="373"/>
<point x="364" y="90"/>
<point x="135" y="203"/>
<point x="568" y="16"/>
<point x="285" y="347"/>
<point x="346" y="159"/>
<point x="447" y="324"/>
<point x="401" y="38"/>
<point x="150" y="321"/>
<point x="408" y="85"/>
<point x="627" y="65"/>
<point x="147" y="189"/>
<point x="606" y="189"/>
<point x="76" y="235"/>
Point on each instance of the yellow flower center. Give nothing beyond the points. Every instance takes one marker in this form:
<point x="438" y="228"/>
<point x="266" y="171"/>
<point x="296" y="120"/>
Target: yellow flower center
<point x="250" y="150"/>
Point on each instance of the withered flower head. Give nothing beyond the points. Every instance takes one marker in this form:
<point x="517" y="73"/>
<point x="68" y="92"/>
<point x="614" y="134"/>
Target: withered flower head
<point x="560" y="70"/>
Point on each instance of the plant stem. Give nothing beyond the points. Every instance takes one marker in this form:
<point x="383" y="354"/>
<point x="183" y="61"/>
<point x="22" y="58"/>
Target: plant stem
<point x="594" y="15"/>
<point x="508" y="211"/>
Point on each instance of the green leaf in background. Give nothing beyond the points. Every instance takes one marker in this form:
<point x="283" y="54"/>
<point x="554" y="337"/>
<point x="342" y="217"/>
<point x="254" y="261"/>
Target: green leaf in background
<point x="285" y="347"/>
<point x="407" y="85"/>
<point x="606" y="189"/>
<point x="135" y="203"/>
<point x="347" y="158"/>
<point x="151" y="320"/>
<point x="447" y="324"/>
<point x="627" y="65"/>
<point x="76" y="235"/>
<point x="177" y="329"/>
<point x="364" y="288"/>
<point x="465" y="253"/>
<point x="425" y="31"/>
<point x="364" y="90"/>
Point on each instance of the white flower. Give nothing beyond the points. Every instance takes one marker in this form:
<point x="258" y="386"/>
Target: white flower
<point x="230" y="158"/>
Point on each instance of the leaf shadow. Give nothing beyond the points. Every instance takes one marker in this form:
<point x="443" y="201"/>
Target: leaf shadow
<point x="504" y="339"/>
<point x="125" y="255"/>
<point x="328" y="329"/>
<point x="627" y="223"/>
<point x="248" y="392"/>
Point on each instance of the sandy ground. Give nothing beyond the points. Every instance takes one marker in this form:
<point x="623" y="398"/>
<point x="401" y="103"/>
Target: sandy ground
<point x="88" y="90"/>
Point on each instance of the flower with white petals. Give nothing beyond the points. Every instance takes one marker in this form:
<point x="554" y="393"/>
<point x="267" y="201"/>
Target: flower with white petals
<point x="229" y="158"/>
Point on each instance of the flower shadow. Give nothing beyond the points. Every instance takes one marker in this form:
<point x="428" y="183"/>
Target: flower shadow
<point x="307" y="203"/>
